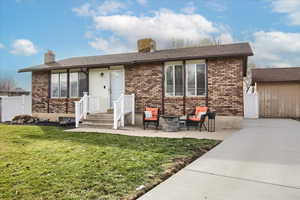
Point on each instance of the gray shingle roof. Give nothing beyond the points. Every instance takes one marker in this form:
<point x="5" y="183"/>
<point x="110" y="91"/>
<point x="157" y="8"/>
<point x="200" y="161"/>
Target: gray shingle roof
<point x="238" y="49"/>
<point x="276" y="74"/>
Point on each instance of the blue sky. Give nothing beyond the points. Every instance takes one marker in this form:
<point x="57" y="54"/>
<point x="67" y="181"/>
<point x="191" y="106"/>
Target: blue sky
<point x="28" y="28"/>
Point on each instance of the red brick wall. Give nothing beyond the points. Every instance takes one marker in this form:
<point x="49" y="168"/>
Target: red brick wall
<point x="225" y="86"/>
<point x="145" y="81"/>
<point x="40" y="92"/>
<point x="40" y="100"/>
<point x="225" y="90"/>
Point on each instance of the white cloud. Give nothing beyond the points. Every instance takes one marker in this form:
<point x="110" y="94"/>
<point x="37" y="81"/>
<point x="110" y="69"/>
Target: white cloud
<point x="216" y="5"/>
<point x="277" y="49"/>
<point x="23" y="47"/>
<point x="289" y="7"/>
<point x="84" y="10"/>
<point x="107" y="7"/>
<point x="190" y="8"/>
<point x="142" y="2"/>
<point x="1" y="46"/>
<point x="110" y="45"/>
<point x="163" y="26"/>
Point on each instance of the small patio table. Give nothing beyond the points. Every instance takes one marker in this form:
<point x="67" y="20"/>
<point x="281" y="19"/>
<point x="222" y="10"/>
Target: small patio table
<point x="171" y="123"/>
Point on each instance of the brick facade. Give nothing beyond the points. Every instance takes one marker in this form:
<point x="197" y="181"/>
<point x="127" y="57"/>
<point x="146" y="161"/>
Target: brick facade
<point x="40" y="101"/>
<point x="225" y="90"/>
<point x="225" y="86"/>
<point x="40" y="92"/>
<point x="145" y="81"/>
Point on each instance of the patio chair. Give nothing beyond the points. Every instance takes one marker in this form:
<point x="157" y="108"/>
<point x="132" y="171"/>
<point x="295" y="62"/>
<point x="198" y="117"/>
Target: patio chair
<point x="152" y="119"/>
<point x="197" y="118"/>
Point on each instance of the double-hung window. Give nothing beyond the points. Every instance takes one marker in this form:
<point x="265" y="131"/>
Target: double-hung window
<point x="59" y="85"/>
<point x="195" y="78"/>
<point x="78" y="84"/>
<point x="174" y="79"/>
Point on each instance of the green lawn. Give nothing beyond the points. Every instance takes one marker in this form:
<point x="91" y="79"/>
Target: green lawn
<point x="39" y="162"/>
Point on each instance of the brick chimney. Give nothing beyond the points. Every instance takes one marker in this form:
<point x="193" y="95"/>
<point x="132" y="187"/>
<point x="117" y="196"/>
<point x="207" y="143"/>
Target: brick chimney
<point x="49" y="57"/>
<point x="146" y="45"/>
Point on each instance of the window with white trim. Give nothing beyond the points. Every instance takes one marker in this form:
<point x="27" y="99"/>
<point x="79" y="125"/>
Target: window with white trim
<point x="196" y="79"/>
<point x="59" y="85"/>
<point x="174" y="80"/>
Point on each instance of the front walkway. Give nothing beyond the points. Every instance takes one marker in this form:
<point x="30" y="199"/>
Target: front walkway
<point x="138" y="131"/>
<point x="261" y="161"/>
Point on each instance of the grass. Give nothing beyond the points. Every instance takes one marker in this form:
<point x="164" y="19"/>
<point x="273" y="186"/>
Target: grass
<point x="39" y="162"/>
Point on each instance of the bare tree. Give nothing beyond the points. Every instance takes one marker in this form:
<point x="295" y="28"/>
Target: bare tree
<point x="7" y="83"/>
<point x="181" y="43"/>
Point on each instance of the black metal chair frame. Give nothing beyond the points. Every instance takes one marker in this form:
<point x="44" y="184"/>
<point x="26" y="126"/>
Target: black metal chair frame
<point x="200" y="123"/>
<point x="154" y="122"/>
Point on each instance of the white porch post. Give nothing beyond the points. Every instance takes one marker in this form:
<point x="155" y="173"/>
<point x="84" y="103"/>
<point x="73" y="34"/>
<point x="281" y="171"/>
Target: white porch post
<point x="133" y="110"/>
<point x="115" y="116"/>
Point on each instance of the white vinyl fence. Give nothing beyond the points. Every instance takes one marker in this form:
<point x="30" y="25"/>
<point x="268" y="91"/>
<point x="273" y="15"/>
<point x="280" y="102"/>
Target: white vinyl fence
<point x="12" y="106"/>
<point x="251" y="106"/>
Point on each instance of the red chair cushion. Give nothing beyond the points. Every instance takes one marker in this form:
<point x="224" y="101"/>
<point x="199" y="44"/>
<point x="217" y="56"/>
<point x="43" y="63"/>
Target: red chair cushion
<point x="194" y="119"/>
<point x="154" y="112"/>
<point x="200" y="109"/>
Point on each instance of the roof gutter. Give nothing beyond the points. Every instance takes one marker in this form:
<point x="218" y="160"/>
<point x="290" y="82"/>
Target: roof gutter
<point x="131" y="62"/>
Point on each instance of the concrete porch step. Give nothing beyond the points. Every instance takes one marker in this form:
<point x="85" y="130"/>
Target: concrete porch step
<point x="89" y="124"/>
<point x="101" y="115"/>
<point x="99" y="120"/>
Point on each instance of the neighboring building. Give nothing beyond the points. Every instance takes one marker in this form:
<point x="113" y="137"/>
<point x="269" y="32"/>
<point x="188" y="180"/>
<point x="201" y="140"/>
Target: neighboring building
<point x="14" y="92"/>
<point x="278" y="91"/>
<point x="175" y="80"/>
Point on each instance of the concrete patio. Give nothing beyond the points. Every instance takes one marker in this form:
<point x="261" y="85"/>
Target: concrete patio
<point x="138" y="131"/>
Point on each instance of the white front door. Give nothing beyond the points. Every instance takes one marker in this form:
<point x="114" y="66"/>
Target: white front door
<point x="100" y="87"/>
<point x="116" y="85"/>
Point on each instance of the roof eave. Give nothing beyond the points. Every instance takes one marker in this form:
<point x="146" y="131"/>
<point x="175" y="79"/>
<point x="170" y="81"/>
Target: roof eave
<point x="133" y="62"/>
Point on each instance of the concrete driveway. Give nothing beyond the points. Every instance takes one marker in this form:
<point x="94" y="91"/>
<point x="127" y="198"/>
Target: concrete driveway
<point x="261" y="161"/>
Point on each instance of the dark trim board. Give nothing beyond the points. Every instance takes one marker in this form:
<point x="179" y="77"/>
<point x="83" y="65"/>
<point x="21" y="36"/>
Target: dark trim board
<point x="49" y="91"/>
<point x="206" y="76"/>
<point x="163" y="89"/>
<point x="184" y="86"/>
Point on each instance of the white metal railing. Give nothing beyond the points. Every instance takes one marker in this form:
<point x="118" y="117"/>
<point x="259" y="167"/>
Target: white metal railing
<point x="124" y="105"/>
<point x="81" y="109"/>
<point x="92" y="104"/>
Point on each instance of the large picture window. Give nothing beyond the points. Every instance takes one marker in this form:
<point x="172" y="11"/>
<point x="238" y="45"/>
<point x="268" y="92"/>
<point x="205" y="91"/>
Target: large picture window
<point x="174" y="80"/>
<point x="59" y="85"/>
<point x="196" y="79"/>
